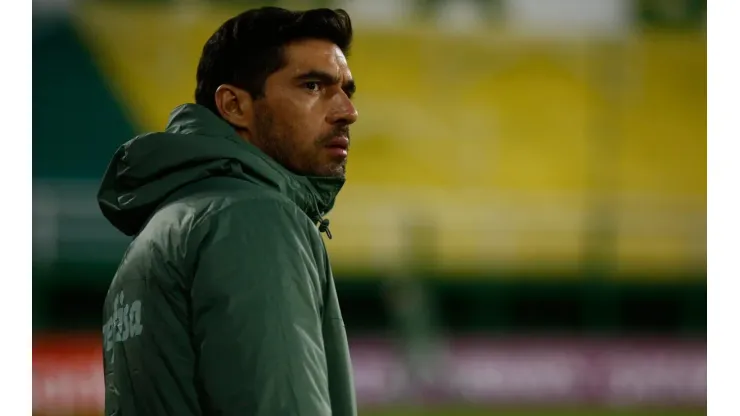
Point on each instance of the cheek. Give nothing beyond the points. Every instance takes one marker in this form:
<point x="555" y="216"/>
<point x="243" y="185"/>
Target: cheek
<point x="301" y="122"/>
<point x="307" y="125"/>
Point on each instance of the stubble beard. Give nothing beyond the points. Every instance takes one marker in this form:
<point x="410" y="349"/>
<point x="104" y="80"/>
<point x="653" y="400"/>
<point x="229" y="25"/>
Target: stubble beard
<point x="276" y="143"/>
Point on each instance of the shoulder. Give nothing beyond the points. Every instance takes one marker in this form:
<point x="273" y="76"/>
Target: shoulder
<point x="259" y="230"/>
<point x="258" y="214"/>
<point x="214" y="200"/>
<point x="232" y="211"/>
<point x="257" y="211"/>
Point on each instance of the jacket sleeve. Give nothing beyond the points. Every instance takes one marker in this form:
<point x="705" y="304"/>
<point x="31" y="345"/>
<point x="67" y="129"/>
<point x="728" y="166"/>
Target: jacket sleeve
<point x="256" y="299"/>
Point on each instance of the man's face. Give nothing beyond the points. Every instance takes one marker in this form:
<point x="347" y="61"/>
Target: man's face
<point x="303" y="119"/>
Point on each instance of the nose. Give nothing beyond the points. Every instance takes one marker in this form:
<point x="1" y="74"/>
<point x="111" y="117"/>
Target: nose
<point x="343" y="112"/>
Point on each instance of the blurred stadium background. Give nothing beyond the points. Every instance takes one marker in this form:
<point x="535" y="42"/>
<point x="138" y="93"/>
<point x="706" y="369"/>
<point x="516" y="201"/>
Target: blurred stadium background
<point x="524" y="227"/>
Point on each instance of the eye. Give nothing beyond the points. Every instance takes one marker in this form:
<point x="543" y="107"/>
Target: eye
<point x="312" y="86"/>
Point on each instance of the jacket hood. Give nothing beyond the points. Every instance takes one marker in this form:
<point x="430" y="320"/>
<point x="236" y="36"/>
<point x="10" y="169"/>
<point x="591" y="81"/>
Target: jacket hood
<point x="197" y="145"/>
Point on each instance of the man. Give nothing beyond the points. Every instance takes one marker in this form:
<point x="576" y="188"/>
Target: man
<point x="224" y="303"/>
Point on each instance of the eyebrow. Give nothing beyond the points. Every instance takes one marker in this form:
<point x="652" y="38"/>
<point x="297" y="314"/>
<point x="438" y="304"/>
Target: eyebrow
<point x="348" y="87"/>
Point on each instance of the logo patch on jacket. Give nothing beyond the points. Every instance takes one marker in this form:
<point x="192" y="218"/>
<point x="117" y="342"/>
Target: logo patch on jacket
<point x="124" y="322"/>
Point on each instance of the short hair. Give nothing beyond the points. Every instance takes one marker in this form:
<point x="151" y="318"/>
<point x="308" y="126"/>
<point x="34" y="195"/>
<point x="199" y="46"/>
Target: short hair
<point x="249" y="47"/>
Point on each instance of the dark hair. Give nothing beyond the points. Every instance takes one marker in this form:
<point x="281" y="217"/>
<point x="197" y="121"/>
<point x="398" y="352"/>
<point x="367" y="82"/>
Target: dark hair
<point x="247" y="48"/>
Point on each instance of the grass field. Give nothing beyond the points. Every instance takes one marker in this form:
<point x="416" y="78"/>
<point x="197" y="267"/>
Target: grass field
<point x="480" y="411"/>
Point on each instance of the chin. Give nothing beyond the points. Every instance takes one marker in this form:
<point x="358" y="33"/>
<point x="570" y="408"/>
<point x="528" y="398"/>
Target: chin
<point x="334" y="172"/>
<point x="340" y="174"/>
<point x="331" y="169"/>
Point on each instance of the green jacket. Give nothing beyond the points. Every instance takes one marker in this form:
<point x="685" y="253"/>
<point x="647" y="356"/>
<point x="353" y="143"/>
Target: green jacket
<point x="224" y="303"/>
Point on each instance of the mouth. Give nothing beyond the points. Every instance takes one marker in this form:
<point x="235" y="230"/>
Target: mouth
<point x="339" y="142"/>
<point x="338" y="147"/>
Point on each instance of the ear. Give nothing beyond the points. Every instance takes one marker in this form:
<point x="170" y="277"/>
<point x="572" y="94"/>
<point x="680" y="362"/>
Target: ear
<point x="235" y="106"/>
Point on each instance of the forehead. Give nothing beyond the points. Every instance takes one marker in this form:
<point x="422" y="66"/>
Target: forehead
<point x="314" y="54"/>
